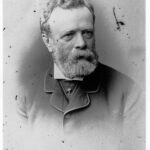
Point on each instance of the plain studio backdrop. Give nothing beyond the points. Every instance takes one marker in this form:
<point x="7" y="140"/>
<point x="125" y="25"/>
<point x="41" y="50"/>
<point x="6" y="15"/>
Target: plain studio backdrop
<point x="120" y="43"/>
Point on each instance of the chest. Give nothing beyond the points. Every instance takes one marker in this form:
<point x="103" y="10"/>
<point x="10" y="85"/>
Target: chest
<point x="88" y="125"/>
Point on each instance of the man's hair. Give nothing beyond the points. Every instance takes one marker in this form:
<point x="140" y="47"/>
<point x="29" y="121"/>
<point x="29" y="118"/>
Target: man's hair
<point x="47" y="6"/>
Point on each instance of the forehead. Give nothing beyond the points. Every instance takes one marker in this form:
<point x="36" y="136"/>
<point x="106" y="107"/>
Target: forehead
<point x="70" y="19"/>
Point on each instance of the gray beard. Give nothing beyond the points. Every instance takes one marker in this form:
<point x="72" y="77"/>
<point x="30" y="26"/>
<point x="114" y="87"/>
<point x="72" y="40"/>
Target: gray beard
<point x="80" y="69"/>
<point x="77" y="65"/>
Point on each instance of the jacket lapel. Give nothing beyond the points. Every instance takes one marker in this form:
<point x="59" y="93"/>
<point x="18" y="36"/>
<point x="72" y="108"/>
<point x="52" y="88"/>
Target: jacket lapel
<point x="79" y="99"/>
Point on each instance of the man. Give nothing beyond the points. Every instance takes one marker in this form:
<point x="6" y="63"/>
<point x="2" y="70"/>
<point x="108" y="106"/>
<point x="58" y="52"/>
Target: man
<point x="84" y="104"/>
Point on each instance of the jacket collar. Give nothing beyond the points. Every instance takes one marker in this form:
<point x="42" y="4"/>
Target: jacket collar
<point x="90" y="84"/>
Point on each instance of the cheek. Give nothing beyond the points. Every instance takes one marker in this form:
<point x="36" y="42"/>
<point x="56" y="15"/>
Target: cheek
<point x="64" y="51"/>
<point x="66" y="47"/>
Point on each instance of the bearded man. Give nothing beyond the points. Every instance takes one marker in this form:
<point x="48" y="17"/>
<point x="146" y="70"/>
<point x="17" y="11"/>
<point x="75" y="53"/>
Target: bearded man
<point x="84" y="104"/>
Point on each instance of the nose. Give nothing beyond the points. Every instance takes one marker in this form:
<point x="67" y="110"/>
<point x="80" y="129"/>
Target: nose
<point x="80" y="42"/>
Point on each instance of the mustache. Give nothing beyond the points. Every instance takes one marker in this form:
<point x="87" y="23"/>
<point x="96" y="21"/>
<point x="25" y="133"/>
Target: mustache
<point x="83" y="54"/>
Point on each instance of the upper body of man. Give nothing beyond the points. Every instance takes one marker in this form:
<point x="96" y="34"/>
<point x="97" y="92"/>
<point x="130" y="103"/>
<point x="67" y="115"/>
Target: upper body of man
<point x="80" y="103"/>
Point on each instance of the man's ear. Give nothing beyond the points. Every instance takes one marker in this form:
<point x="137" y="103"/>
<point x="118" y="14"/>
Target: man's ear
<point x="48" y="42"/>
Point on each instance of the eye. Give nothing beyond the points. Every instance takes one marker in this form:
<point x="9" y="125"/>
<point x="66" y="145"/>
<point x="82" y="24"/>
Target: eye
<point x="88" y="34"/>
<point x="68" y="36"/>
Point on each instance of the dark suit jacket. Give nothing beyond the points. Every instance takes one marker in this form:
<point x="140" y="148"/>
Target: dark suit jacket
<point x="104" y="111"/>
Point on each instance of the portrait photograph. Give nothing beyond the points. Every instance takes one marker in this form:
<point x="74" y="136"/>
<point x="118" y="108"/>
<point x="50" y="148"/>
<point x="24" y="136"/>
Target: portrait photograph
<point x="74" y="75"/>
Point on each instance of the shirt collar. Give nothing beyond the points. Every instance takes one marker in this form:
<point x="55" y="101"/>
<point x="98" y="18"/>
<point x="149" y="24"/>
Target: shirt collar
<point x="59" y="75"/>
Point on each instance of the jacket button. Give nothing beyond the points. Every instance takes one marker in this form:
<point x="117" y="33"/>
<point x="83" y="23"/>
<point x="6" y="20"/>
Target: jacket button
<point x="69" y="91"/>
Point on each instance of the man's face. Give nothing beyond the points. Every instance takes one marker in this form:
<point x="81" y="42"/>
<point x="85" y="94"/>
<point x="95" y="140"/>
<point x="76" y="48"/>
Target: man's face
<point x="73" y="41"/>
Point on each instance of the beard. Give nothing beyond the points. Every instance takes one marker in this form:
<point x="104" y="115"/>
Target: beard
<point x="75" y="63"/>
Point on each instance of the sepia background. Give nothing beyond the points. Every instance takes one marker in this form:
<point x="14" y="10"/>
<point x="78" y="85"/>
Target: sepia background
<point x="120" y="43"/>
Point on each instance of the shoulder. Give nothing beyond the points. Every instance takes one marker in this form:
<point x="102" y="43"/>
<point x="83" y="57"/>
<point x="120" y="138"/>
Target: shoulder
<point x="111" y="78"/>
<point x="26" y="93"/>
<point x="119" y="86"/>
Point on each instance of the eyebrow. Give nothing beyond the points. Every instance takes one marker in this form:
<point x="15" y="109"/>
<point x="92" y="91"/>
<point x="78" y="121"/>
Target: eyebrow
<point x="74" y="30"/>
<point x="67" y="32"/>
